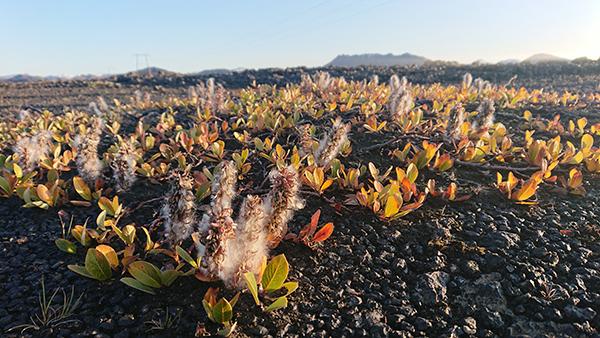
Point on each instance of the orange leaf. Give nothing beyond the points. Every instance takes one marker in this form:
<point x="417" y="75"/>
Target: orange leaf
<point x="211" y="296"/>
<point x="527" y="190"/>
<point x="326" y="185"/>
<point x="323" y="233"/>
<point x="310" y="229"/>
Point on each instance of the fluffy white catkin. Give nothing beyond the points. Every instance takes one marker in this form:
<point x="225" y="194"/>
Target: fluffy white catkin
<point x="281" y="203"/>
<point x="331" y="144"/>
<point x="31" y="150"/>
<point x="88" y="164"/>
<point x="123" y="165"/>
<point x="179" y="210"/>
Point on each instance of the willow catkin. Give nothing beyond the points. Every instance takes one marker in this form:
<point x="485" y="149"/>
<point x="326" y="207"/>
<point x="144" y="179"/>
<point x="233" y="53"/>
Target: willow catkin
<point x="88" y="164"/>
<point x="123" y="165"/>
<point x="331" y="144"/>
<point x="179" y="210"/>
<point x="281" y="203"/>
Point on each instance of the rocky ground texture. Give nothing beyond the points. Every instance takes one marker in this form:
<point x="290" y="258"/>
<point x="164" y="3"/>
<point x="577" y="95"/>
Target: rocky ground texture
<point x="484" y="267"/>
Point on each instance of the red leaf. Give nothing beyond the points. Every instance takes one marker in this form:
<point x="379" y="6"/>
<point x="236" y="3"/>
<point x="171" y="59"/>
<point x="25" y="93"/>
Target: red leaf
<point x="462" y="198"/>
<point x="323" y="233"/>
<point x="566" y="232"/>
<point x="310" y="229"/>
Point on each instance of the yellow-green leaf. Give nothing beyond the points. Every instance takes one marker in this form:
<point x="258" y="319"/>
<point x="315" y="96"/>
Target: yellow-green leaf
<point x="82" y="188"/>
<point x="279" y="303"/>
<point x="252" y="286"/>
<point x="275" y="273"/>
<point x="222" y="311"/>
<point x="65" y="245"/>
<point x="97" y="265"/>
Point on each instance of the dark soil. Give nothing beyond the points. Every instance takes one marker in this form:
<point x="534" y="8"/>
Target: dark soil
<point x="484" y="267"/>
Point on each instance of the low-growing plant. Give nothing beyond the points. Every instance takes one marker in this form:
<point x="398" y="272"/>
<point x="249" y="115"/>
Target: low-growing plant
<point x="62" y="243"/>
<point x="271" y="285"/>
<point x="527" y="187"/>
<point x="112" y="207"/>
<point x="448" y="194"/>
<point x="168" y="322"/>
<point x="147" y="277"/>
<point x="316" y="179"/>
<point x="221" y="311"/>
<point x="574" y="182"/>
<point x="50" y="315"/>
<point x="309" y="235"/>
<point x="99" y="263"/>
<point x="423" y="156"/>
<point x="389" y="201"/>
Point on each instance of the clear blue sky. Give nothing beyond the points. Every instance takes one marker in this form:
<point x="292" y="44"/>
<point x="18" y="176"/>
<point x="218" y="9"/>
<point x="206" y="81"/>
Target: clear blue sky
<point x="69" y="37"/>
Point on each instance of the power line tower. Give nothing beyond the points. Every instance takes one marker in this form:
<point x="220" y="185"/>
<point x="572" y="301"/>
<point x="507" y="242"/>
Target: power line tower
<point x="145" y="57"/>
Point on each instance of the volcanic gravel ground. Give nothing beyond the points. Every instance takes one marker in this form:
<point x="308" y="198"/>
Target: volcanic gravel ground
<point x="484" y="267"/>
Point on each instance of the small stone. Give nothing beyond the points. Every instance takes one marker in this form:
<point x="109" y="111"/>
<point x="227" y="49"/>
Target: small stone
<point x="126" y="320"/>
<point x="492" y="319"/>
<point x="122" y="334"/>
<point x="470" y="326"/>
<point x="431" y="287"/>
<point x="422" y="324"/>
<point x="579" y="314"/>
<point x="471" y="268"/>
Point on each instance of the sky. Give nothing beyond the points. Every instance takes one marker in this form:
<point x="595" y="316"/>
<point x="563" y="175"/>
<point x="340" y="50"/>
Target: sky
<point x="72" y="37"/>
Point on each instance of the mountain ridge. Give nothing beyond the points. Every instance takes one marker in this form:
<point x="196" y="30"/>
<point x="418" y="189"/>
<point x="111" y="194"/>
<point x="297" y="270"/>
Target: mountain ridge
<point x="341" y="60"/>
<point x="376" y="59"/>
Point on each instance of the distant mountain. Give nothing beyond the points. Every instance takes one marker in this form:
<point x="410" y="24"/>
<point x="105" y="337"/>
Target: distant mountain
<point x="87" y="77"/>
<point x="29" y="78"/>
<point x="509" y="62"/>
<point x="543" y="58"/>
<point x="480" y="62"/>
<point x="151" y="71"/>
<point x="218" y="71"/>
<point x="405" y="59"/>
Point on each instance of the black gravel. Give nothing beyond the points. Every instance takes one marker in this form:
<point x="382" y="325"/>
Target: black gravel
<point x="485" y="267"/>
<point x="480" y="267"/>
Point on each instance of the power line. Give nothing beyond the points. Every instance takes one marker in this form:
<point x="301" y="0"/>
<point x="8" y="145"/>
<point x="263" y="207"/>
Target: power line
<point x="143" y="56"/>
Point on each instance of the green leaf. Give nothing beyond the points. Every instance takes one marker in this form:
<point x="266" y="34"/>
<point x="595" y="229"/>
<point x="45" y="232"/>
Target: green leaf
<point x="279" y="303"/>
<point x="222" y="311"/>
<point x="252" y="286"/>
<point x="5" y="185"/>
<point x="80" y="270"/>
<point x="146" y="273"/>
<point x="52" y="175"/>
<point x="134" y="283"/>
<point x="97" y="265"/>
<point x="275" y="273"/>
<point x="168" y="277"/>
<point x="65" y="245"/>
<point x="186" y="257"/>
